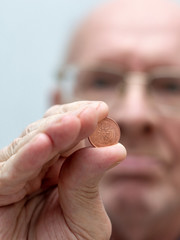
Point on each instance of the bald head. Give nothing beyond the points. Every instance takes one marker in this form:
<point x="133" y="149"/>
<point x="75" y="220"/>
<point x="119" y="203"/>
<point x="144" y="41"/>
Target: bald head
<point x="132" y="19"/>
<point x="137" y="10"/>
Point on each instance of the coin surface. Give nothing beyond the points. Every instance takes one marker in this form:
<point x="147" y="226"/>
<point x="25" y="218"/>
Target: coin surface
<point x="106" y="133"/>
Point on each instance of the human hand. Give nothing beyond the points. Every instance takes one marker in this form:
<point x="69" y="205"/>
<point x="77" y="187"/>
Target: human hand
<point x="45" y="195"/>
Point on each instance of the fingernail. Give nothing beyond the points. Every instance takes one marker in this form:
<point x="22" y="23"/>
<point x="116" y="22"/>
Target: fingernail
<point x="122" y="156"/>
<point x="102" y="105"/>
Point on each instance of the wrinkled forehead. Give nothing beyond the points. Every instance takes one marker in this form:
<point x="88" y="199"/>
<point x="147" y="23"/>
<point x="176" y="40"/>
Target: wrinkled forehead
<point x="131" y="32"/>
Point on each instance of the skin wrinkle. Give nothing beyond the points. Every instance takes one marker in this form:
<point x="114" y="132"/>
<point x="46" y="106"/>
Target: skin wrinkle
<point x="24" y="211"/>
<point x="68" y="218"/>
<point x="77" y="233"/>
<point x="67" y="224"/>
<point x="18" y="216"/>
<point x="19" y="225"/>
<point x="46" y="226"/>
<point x="43" y="124"/>
<point x="35" y="212"/>
<point x="52" y="196"/>
<point x="83" y="201"/>
<point x="39" y="176"/>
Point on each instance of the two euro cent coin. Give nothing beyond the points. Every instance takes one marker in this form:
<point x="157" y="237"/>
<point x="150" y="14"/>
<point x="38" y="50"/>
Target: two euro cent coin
<point x="106" y="133"/>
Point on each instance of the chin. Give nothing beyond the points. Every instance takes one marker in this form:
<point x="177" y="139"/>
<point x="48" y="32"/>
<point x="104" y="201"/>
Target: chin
<point x="128" y="196"/>
<point x="135" y="202"/>
<point x="135" y="194"/>
<point x="138" y="185"/>
<point x="128" y="209"/>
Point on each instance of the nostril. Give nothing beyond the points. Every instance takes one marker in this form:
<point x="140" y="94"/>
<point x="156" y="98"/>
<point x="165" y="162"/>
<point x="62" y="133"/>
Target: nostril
<point x="147" y="129"/>
<point x="131" y="131"/>
<point x="122" y="131"/>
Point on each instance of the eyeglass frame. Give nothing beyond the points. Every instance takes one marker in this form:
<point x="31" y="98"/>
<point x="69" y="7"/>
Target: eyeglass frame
<point x="147" y="76"/>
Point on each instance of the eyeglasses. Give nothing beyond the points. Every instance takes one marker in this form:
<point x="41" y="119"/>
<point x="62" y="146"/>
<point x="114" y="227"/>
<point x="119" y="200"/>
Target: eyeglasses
<point x="161" y="85"/>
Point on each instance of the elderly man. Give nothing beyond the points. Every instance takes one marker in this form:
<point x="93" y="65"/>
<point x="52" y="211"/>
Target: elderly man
<point x="127" y="54"/>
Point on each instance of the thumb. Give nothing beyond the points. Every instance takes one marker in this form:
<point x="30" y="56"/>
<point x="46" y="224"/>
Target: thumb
<point x="79" y="190"/>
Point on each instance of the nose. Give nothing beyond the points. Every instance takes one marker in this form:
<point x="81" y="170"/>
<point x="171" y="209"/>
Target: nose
<point x="134" y="112"/>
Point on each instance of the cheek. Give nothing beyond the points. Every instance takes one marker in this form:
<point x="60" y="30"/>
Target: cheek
<point x="95" y="95"/>
<point x="172" y="134"/>
<point x="171" y="129"/>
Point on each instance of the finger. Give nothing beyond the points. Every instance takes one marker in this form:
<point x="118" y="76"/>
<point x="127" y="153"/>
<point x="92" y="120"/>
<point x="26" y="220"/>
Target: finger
<point x="52" y="176"/>
<point x="88" y="119"/>
<point x="29" y="160"/>
<point x="69" y="107"/>
<point x="78" y="188"/>
<point x="58" y="111"/>
<point x="100" y="109"/>
<point x="23" y="166"/>
<point x="55" y="112"/>
<point x="15" y="172"/>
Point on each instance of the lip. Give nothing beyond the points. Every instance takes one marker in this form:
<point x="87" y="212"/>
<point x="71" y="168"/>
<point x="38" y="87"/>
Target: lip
<point x="139" y="167"/>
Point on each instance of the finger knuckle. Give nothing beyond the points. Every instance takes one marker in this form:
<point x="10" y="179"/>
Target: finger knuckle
<point x="28" y="129"/>
<point x="52" y="110"/>
<point x="13" y="147"/>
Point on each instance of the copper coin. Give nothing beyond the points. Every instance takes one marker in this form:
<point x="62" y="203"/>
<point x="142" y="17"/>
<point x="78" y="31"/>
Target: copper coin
<point x="106" y="133"/>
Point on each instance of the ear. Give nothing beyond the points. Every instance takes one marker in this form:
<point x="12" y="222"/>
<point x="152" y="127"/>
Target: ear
<point x="55" y="97"/>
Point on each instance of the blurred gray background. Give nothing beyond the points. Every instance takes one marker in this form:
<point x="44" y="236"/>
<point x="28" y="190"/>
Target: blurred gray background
<point x="33" y="36"/>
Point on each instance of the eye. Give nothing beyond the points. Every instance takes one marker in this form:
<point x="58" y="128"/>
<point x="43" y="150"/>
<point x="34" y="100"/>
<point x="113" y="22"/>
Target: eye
<point x="104" y="80"/>
<point x="166" y="85"/>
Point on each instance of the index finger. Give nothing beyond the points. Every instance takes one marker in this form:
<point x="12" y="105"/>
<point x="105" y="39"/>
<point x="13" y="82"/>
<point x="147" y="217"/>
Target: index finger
<point x="69" y="107"/>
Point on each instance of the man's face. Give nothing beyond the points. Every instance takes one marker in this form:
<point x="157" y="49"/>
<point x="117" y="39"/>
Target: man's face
<point x="147" y="183"/>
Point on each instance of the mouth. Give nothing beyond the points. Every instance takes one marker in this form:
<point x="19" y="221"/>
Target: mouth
<point x="138" y="168"/>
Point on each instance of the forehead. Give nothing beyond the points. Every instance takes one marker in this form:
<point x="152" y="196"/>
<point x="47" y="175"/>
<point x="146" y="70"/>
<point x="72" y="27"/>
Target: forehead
<point x="133" y="36"/>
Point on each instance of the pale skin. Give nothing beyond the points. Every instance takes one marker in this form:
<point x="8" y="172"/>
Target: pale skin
<point x="49" y="193"/>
